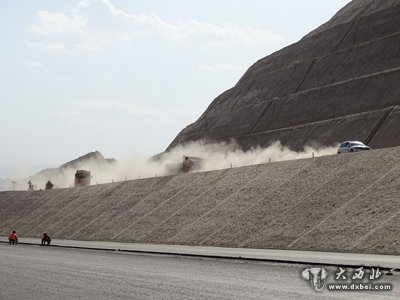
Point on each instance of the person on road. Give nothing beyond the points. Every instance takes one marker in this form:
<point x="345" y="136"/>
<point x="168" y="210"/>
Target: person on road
<point x="12" y="238"/>
<point x="45" y="240"/>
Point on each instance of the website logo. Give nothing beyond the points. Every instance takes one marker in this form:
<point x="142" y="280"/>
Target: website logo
<point x="347" y="279"/>
<point x="317" y="277"/>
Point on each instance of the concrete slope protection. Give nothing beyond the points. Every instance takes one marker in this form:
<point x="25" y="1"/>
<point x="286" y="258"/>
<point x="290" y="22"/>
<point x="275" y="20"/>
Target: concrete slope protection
<point x="340" y="82"/>
<point x="339" y="203"/>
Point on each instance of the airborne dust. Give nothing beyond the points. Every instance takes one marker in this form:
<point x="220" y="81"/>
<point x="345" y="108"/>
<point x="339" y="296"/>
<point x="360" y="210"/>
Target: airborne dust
<point x="216" y="156"/>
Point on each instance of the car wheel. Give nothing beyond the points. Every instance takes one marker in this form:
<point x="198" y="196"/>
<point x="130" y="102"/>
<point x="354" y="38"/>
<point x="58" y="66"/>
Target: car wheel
<point x="351" y="150"/>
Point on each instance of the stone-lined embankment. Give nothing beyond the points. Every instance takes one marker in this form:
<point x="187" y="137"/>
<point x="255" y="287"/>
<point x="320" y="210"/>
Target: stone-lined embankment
<point x="345" y="203"/>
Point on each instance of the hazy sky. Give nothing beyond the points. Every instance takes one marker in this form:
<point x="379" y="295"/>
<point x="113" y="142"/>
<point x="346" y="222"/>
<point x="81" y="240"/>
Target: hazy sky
<point x="124" y="77"/>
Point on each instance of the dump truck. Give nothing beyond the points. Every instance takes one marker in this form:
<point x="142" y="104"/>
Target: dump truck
<point x="82" y="178"/>
<point x="189" y="164"/>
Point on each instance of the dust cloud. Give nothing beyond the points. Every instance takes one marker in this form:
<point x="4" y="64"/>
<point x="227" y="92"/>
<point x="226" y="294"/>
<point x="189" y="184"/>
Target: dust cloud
<point x="225" y="155"/>
<point x="215" y="156"/>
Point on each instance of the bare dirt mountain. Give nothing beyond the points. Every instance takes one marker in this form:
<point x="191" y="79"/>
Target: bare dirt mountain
<point x="339" y="82"/>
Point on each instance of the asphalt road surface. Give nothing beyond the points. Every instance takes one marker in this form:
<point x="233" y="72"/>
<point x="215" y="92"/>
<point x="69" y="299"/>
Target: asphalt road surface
<point x="34" y="272"/>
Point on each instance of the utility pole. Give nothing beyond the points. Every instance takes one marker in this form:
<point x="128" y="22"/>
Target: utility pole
<point x="13" y="184"/>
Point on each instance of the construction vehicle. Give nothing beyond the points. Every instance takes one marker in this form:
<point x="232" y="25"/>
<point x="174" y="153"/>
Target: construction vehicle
<point x="82" y="178"/>
<point x="189" y="164"/>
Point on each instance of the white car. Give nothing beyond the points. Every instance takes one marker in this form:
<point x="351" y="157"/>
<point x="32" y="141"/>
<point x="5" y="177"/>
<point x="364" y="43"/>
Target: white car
<point x="352" y="146"/>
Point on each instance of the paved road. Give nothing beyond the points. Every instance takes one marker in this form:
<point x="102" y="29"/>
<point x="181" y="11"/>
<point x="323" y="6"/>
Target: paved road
<point x="289" y="256"/>
<point x="33" y="272"/>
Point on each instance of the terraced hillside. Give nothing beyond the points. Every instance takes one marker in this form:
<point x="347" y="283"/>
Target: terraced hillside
<point x="340" y="82"/>
<point x="348" y="203"/>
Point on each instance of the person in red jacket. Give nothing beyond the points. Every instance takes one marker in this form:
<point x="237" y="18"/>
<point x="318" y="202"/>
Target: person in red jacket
<point x="12" y="238"/>
<point x="45" y="240"/>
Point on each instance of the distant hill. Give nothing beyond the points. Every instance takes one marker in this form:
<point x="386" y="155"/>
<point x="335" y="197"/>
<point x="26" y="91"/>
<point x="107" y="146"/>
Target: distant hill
<point x="63" y="176"/>
<point x="95" y="158"/>
<point x="339" y="82"/>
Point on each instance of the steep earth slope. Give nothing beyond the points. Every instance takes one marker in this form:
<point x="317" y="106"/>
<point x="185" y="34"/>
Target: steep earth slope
<point x="339" y="82"/>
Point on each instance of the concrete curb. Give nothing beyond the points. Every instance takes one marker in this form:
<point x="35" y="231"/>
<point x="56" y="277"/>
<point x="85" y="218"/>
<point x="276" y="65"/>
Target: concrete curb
<point x="279" y="256"/>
